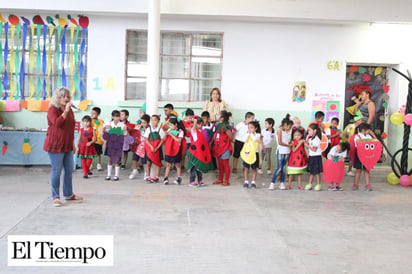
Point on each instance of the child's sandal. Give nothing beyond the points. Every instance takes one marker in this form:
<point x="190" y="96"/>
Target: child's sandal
<point x="217" y="182"/>
<point x="226" y="183"/>
<point x="288" y="187"/>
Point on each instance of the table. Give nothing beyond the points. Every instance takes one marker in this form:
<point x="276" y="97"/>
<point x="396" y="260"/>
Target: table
<point x="14" y="153"/>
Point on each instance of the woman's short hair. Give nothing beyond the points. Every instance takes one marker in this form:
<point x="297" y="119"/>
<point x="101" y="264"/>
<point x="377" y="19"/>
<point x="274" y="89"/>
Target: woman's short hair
<point x="218" y="91"/>
<point x="57" y="95"/>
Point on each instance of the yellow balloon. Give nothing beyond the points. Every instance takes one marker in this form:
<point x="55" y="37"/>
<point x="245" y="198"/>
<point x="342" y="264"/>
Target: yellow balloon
<point x="397" y="118"/>
<point x="348" y="131"/>
<point x="392" y="179"/>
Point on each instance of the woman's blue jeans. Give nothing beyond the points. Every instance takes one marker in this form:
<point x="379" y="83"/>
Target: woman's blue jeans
<point x="282" y="162"/>
<point x="59" y="161"/>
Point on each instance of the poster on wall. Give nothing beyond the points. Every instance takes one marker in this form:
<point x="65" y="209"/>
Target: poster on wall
<point x="299" y="91"/>
<point x="329" y="103"/>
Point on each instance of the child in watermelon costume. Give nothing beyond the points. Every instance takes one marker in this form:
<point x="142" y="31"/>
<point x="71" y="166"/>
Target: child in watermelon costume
<point x="198" y="154"/>
<point x="222" y="147"/>
<point x="154" y="137"/>
<point x="85" y="148"/>
<point x="250" y="153"/>
<point x="173" y="152"/>
<point x="298" y="159"/>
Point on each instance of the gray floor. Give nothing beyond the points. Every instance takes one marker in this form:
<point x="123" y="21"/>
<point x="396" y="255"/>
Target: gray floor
<point x="215" y="229"/>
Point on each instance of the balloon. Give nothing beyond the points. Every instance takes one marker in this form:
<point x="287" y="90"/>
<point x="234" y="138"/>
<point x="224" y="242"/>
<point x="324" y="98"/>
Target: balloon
<point x="397" y="118"/>
<point x="392" y="178"/>
<point x="408" y="119"/>
<point x="405" y="180"/>
<point x="348" y="131"/>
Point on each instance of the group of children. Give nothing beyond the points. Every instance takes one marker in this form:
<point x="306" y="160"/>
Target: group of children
<point x="206" y="145"/>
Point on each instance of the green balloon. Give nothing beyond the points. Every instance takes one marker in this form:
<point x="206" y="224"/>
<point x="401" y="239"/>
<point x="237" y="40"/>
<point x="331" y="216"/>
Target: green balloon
<point x="392" y="179"/>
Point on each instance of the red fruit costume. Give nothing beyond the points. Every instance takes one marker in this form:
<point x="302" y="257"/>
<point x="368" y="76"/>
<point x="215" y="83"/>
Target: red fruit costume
<point x="222" y="143"/>
<point x="86" y="153"/>
<point x="154" y="140"/>
<point x="199" y="153"/>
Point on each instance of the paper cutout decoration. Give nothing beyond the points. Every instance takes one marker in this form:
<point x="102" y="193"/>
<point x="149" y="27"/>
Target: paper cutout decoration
<point x="12" y="105"/>
<point x="359" y="88"/>
<point x="333" y="171"/>
<point x="358" y="115"/>
<point x="83" y="104"/>
<point x="333" y="106"/>
<point x="385" y="88"/>
<point x="26" y="147"/>
<point x="369" y="152"/>
<point x="44" y="105"/>
<point x="34" y="105"/>
<point x="333" y="65"/>
<point x="323" y="142"/>
<point x="23" y="104"/>
<point x="378" y="71"/>
<point x="4" y="148"/>
<point x="299" y="91"/>
<point x="366" y="77"/>
<point x="2" y="105"/>
<point x="362" y="70"/>
<point x="353" y="69"/>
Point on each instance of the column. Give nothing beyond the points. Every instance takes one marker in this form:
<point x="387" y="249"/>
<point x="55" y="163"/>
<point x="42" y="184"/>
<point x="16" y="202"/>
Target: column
<point x="153" y="57"/>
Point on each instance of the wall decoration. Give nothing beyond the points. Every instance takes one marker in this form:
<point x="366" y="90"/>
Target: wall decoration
<point x="333" y="65"/>
<point x="299" y="91"/>
<point x="39" y="55"/>
<point x="328" y="103"/>
<point x="26" y="147"/>
<point x="4" y="148"/>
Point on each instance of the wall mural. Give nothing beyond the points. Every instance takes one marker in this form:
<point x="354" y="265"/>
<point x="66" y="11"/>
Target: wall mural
<point x="38" y="55"/>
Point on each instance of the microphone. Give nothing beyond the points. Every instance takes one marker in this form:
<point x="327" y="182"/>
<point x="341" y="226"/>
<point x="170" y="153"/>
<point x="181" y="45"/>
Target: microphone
<point x="74" y="107"/>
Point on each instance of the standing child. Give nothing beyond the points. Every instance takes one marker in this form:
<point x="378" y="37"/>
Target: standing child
<point x="154" y="136"/>
<point x="173" y="152"/>
<point x="208" y="129"/>
<point x="333" y="134"/>
<point x="319" y="117"/>
<point x="97" y="125"/>
<point x="114" y="136"/>
<point x="222" y="147"/>
<point x="298" y="160"/>
<point x="85" y="148"/>
<point x="268" y="135"/>
<point x="282" y="151"/>
<point x="364" y="133"/>
<point x="339" y="153"/>
<point x="240" y="137"/>
<point x="124" y="115"/>
<point x="250" y="154"/>
<point x="315" y="155"/>
<point x="169" y="113"/>
<point x="139" y="153"/>
<point x="199" y="157"/>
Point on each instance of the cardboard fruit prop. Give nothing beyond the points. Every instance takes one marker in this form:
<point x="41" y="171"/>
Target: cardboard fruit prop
<point x="333" y="171"/>
<point x="369" y="152"/>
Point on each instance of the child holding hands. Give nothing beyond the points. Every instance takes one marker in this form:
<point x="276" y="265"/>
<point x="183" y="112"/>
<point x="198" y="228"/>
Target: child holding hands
<point x="315" y="155"/>
<point x="85" y="148"/>
<point x="298" y="160"/>
<point x="154" y="138"/>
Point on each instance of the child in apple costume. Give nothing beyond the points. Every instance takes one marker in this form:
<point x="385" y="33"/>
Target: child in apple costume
<point x="334" y="166"/>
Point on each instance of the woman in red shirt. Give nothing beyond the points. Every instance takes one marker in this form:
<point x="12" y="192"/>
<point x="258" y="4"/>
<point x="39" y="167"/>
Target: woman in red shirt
<point x="59" y="144"/>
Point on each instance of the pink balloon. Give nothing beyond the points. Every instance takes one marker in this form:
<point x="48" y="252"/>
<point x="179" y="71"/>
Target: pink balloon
<point x="405" y="180"/>
<point x="408" y="119"/>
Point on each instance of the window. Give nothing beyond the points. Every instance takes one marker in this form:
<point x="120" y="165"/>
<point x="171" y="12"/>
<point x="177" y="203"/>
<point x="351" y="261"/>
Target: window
<point x="190" y="65"/>
<point x="44" y="51"/>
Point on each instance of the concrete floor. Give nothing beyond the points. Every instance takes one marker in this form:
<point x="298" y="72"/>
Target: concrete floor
<point x="215" y="229"/>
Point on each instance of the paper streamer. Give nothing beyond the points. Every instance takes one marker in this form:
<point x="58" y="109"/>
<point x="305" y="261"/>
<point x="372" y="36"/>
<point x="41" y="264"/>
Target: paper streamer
<point x="31" y="52"/>
<point x="22" y="75"/>
<point x="57" y="57"/>
<point x="6" y="55"/>
<point x="1" y="48"/>
<point x="81" y="68"/>
<point x="44" y="61"/>
<point x="63" y="53"/>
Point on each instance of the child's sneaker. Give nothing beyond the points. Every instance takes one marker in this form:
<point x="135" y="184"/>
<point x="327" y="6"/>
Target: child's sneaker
<point x="355" y="187"/>
<point x="246" y="184"/>
<point x="155" y="179"/>
<point x="107" y="178"/>
<point x="272" y="186"/>
<point x="308" y="187"/>
<point x="331" y="187"/>
<point x="178" y="181"/>
<point x="268" y="172"/>
<point x="282" y="186"/>
<point x="99" y="167"/>
<point x="260" y="171"/>
<point x="350" y="173"/>
<point x="133" y="174"/>
<point x="166" y="181"/>
<point x="193" y="184"/>
<point x="115" y="178"/>
<point x="148" y="180"/>
<point x="201" y="183"/>
<point x="317" y="187"/>
<point x="253" y="185"/>
<point x="368" y="188"/>
<point x="123" y="166"/>
<point x="338" y="188"/>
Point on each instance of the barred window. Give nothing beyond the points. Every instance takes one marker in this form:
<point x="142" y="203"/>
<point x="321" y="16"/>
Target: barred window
<point x="190" y="65"/>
